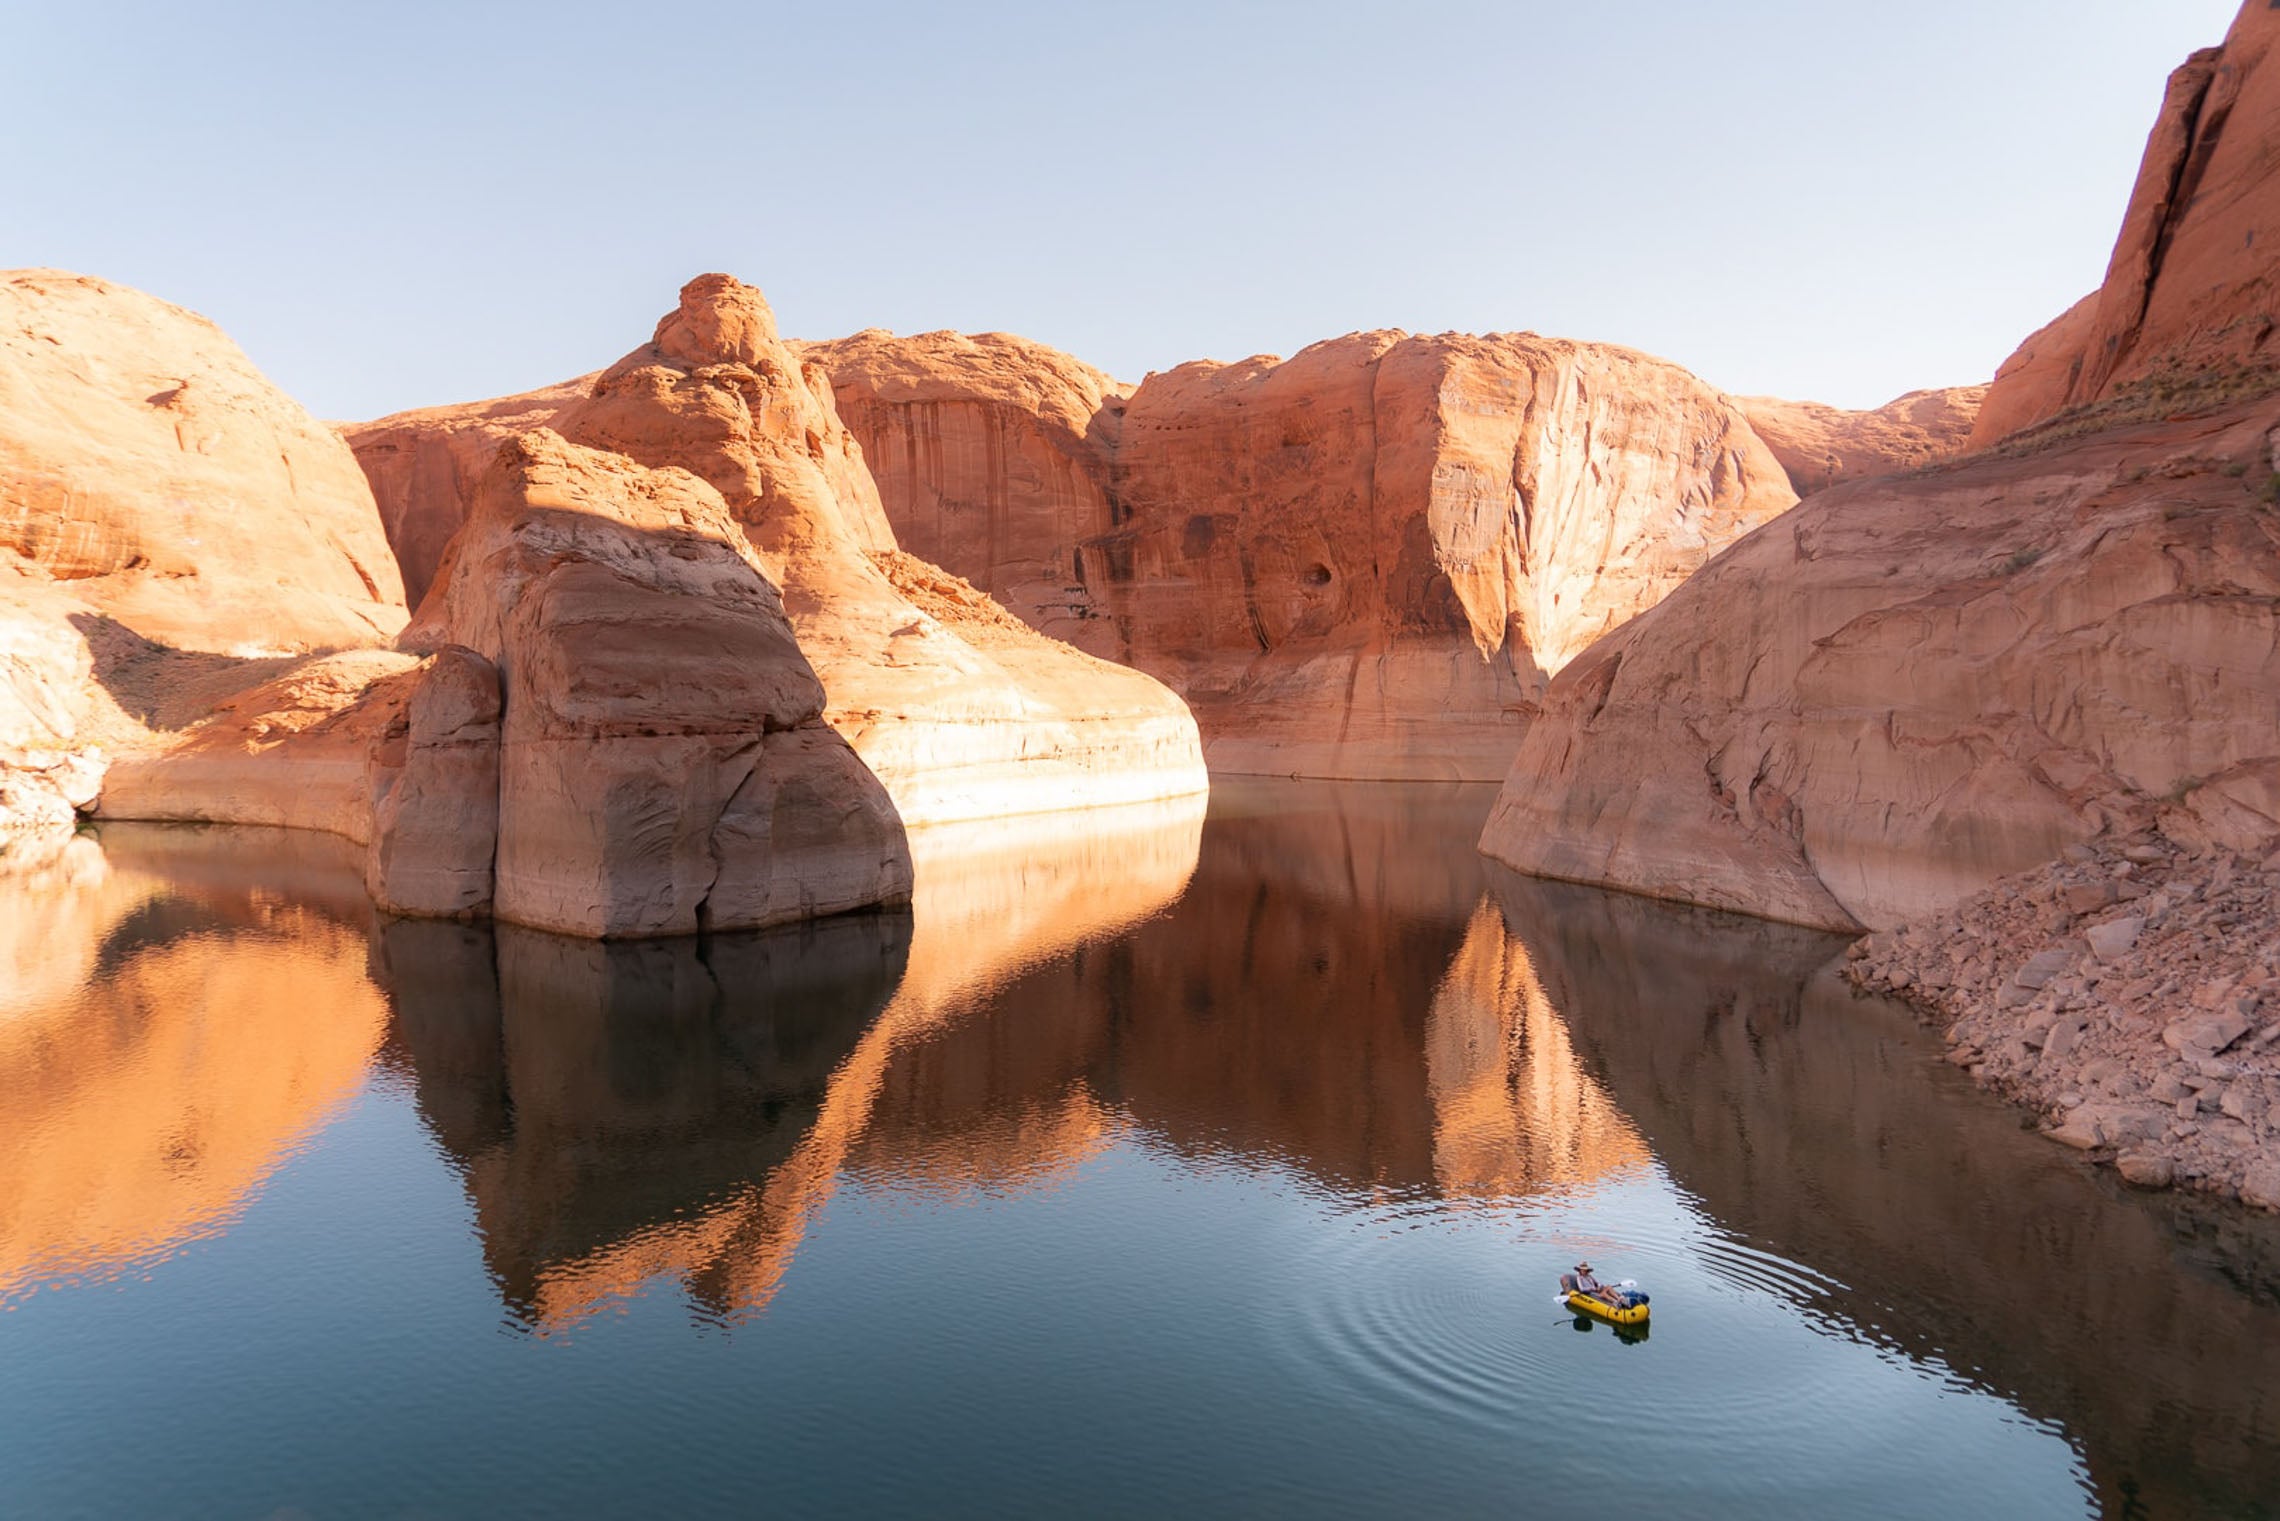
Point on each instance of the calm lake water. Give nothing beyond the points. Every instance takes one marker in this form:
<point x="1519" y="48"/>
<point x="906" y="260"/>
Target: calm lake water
<point x="1154" y="1164"/>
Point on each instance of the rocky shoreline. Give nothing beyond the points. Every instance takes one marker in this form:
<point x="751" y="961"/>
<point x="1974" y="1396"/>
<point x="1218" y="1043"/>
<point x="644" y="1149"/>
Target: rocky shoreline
<point x="2129" y="993"/>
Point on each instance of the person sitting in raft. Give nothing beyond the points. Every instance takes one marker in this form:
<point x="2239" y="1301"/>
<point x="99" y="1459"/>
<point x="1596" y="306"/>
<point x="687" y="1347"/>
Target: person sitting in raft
<point x="1586" y="1284"/>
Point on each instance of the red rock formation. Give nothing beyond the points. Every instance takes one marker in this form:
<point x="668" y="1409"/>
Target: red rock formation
<point x="172" y="528"/>
<point x="1822" y="446"/>
<point x="1910" y="687"/>
<point x="144" y="461"/>
<point x="1361" y="561"/>
<point x="2190" y="302"/>
<point x="992" y="454"/>
<point x="962" y="712"/>
<point x="661" y="765"/>
<point x="424" y="466"/>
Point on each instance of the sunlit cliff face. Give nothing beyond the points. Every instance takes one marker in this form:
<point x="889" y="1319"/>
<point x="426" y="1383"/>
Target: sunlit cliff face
<point x="173" y="1047"/>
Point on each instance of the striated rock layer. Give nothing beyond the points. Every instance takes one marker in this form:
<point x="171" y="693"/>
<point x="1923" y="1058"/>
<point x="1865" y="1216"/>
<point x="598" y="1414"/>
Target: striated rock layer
<point x="1910" y="687"/>
<point x="173" y="529"/>
<point x="1362" y="561"/>
<point x="1823" y="446"/>
<point x="2190" y="307"/>
<point x="962" y="712"/>
<point x="658" y="763"/>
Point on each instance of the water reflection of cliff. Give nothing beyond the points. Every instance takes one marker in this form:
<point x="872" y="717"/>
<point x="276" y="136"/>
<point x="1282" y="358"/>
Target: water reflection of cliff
<point x="680" y="1109"/>
<point x="1823" y="1129"/>
<point x="1324" y="994"/>
<point x="169" y="1031"/>
<point x="1312" y="987"/>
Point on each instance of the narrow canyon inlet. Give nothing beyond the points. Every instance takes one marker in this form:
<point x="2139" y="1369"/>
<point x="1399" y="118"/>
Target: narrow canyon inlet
<point x="1179" y="1158"/>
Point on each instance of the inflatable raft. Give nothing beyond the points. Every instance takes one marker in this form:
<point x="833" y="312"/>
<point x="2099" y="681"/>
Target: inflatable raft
<point x="1632" y="1312"/>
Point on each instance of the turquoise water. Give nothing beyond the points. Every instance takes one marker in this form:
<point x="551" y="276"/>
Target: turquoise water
<point x="1157" y="1164"/>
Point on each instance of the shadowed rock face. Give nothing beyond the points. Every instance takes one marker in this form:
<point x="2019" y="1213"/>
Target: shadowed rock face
<point x="661" y="765"/>
<point x="424" y="466"/>
<point x="2190" y="308"/>
<point x="962" y="712"/>
<point x="1822" y="1129"/>
<point x="1361" y="561"/>
<point x="1909" y="687"/>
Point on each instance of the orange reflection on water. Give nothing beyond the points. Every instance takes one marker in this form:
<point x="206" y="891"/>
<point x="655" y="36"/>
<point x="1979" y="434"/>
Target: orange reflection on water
<point x="990" y="901"/>
<point x="1514" y="1111"/>
<point x="159" y="1060"/>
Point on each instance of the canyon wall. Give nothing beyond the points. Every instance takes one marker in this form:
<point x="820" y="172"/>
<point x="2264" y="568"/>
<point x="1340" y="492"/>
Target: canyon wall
<point x="962" y="711"/>
<point x="173" y="530"/>
<point x="2190" y="310"/>
<point x="659" y="763"/>
<point x="610" y="718"/>
<point x="423" y="468"/>
<point x="1912" y="686"/>
<point x="1823" y="446"/>
<point x="1361" y="561"/>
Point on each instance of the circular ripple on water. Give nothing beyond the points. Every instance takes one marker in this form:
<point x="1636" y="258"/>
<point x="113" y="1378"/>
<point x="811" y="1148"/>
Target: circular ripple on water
<point x="1415" y="1323"/>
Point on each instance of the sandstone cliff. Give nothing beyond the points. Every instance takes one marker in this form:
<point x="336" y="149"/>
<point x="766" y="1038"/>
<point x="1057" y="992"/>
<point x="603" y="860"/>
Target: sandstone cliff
<point x="1361" y="561"/>
<point x="423" y="467"/>
<point x="962" y="712"/>
<point x="173" y="529"/>
<point x="1823" y="446"/>
<point x="1910" y="687"/>
<point x="992" y="455"/>
<point x="658" y="762"/>
<point x="2190" y="308"/>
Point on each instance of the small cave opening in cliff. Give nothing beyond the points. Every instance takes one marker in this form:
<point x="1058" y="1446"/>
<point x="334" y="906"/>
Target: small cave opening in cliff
<point x="1316" y="575"/>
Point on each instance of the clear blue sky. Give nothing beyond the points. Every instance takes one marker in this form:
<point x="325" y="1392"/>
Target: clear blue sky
<point x="396" y="205"/>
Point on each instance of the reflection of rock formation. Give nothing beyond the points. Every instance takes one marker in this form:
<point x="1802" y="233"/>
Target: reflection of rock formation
<point x="1513" y="1109"/>
<point x="617" y="1107"/>
<point x="682" y="1109"/>
<point x="202" y="1026"/>
<point x="1821" y="1129"/>
<point x="1325" y="994"/>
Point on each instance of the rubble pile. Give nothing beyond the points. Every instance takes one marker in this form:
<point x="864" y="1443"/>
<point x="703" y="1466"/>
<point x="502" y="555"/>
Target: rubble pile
<point x="2130" y="992"/>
